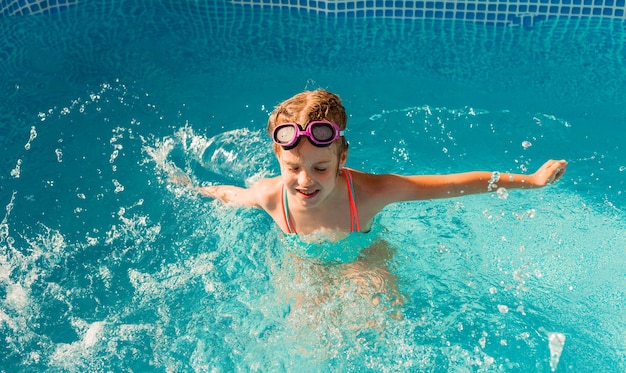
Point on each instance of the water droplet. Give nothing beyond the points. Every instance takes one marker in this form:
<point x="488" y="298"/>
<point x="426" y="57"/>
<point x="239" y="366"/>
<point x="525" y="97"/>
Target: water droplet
<point x="482" y="341"/>
<point x="118" y="186"/>
<point x="59" y="154"/>
<point x="502" y="193"/>
<point x="15" y="173"/>
<point x="33" y="135"/>
<point x="556" y="341"/>
<point x="495" y="177"/>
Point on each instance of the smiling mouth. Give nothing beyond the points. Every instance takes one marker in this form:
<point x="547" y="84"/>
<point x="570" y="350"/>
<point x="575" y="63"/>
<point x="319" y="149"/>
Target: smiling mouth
<point x="308" y="193"/>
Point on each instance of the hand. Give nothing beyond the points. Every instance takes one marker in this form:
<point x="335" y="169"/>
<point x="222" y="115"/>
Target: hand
<point x="179" y="179"/>
<point x="550" y="172"/>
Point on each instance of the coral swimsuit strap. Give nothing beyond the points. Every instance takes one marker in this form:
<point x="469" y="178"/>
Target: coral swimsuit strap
<point x="354" y="217"/>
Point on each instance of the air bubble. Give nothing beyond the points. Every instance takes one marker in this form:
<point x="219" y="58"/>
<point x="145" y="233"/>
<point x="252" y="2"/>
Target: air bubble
<point x="526" y="144"/>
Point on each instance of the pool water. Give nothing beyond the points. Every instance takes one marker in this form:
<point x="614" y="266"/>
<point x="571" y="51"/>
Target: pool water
<point x="105" y="265"/>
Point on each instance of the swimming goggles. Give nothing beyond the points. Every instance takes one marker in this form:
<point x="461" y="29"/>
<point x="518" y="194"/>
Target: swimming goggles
<point x="321" y="133"/>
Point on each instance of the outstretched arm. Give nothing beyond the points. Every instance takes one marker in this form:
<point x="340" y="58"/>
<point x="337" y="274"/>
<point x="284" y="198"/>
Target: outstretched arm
<point x="232" y="195"/>
<point x="395" y="188"/>
<point x="483" y="182"/>
<point x="254" y="196"/>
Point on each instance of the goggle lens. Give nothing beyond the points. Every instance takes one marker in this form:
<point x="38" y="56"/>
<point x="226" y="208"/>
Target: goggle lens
<point x="323" y="132"/>
<point x="320" y="134"/>
<point x="284" y="135"/>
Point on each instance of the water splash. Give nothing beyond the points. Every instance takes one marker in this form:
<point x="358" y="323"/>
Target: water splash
<point x="556" y="342"/>
<point x="17" y="170"/>
<point x="491" y="184"/>
<point x="503" y="193"/>
<point x="33" y="135"/>
<point x="59" y="155"/>
<point x="233" y="155"/>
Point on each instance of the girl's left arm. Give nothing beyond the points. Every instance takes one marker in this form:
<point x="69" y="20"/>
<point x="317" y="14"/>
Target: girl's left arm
<point x="396" y="188"/>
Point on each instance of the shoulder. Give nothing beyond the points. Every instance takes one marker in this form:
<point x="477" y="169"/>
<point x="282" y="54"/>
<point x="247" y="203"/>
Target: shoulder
<point x="372" y="188"/>
<point x="267" y="192"/>
<point x="368" y="183"/>
<point x="382" y="189"/>
<point x="266" y="187"/>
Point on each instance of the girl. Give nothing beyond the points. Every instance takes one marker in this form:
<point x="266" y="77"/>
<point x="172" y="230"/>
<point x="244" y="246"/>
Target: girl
<point x="317" y="201"/>
<point x="327" y="211"/>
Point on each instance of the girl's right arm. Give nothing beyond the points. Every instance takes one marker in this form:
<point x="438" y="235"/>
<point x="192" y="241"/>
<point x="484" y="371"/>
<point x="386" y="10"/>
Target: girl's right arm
<point x="260" y="195"/>
<point x="231" y="195"/>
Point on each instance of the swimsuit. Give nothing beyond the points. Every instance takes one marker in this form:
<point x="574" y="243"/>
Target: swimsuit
<point x="319" y="245"/>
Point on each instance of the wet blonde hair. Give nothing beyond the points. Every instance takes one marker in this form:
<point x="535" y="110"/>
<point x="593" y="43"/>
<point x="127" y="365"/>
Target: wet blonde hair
<point x="308" y="106"/>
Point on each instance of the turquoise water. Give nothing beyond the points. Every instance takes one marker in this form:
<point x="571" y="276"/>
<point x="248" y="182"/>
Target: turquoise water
<point x="105" y="266"/>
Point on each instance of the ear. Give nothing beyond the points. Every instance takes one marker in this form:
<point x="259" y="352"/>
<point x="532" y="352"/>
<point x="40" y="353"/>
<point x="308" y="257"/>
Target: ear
<point x="343" y="158"/>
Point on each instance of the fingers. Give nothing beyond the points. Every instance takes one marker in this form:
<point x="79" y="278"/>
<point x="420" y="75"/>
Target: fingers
<point x="556" y="169"/>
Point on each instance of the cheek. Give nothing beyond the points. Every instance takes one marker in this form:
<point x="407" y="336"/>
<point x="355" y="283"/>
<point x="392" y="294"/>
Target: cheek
<point x="288" y="178"/>
<point x="328" y="179"/>
<point x="285" y="175"/>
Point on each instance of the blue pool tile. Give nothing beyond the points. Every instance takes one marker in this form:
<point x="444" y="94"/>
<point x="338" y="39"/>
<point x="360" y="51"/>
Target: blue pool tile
<point x="479" y="10"/>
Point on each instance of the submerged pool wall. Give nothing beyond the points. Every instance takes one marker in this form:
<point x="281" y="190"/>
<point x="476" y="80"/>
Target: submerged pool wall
<point x="506" y="12"/>
<point x="23" y="7"/>
<point x="509" y="12"/>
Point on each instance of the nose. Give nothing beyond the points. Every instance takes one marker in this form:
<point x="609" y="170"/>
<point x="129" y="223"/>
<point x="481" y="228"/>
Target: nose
<point x="304" y="178"/>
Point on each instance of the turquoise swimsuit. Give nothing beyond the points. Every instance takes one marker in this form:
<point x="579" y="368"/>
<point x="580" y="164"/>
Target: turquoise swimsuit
<point x="319" y="246"/>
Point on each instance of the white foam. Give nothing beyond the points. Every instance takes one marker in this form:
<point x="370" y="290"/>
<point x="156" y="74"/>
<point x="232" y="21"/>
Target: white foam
<point x="68" y="354"/>
<point x="17" y="297"/>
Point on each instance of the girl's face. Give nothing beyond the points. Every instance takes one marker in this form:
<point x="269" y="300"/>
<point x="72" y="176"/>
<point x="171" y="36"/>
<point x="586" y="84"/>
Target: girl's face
<point x="310" y="173"/>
